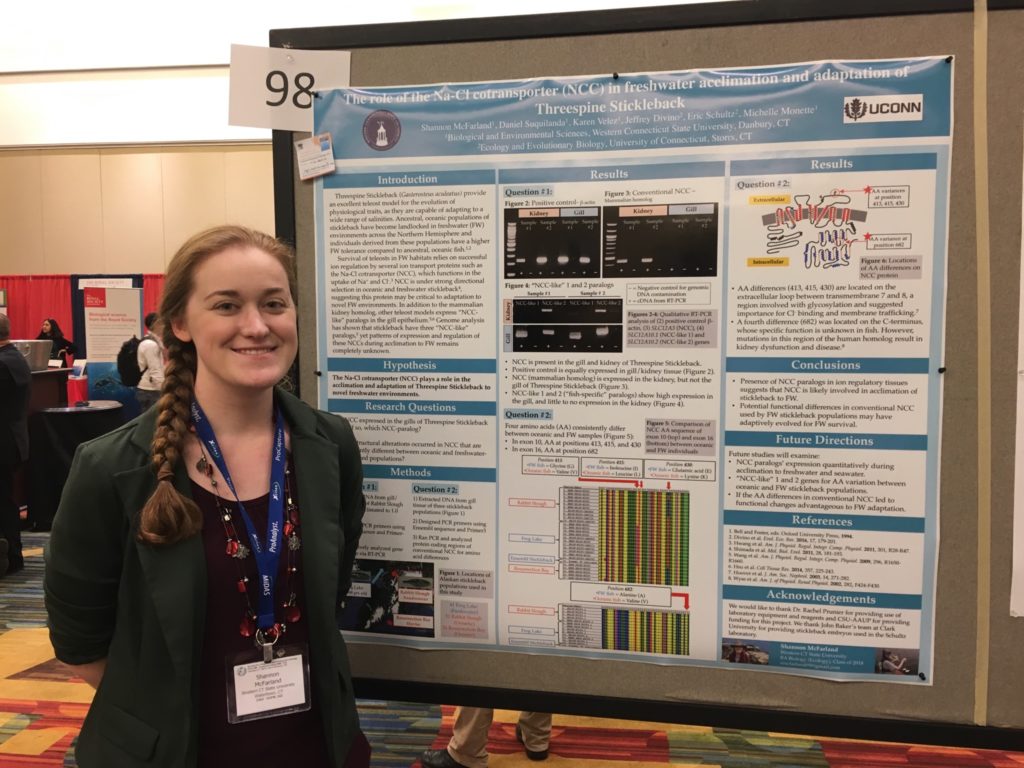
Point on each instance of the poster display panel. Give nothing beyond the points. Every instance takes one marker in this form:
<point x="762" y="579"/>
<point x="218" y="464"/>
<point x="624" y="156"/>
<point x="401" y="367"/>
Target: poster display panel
<point x="645" y="366"/>
<point x="112" y="315"/>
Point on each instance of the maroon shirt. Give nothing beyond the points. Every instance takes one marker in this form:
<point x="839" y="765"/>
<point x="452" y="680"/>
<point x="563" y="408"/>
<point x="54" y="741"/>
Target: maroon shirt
<point x="294" y="739"/>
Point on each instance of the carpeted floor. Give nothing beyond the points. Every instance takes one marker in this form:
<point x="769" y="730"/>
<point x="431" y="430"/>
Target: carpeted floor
<point x="42" y="707"/>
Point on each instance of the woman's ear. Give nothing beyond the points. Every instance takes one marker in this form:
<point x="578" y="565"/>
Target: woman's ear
<point x="180" y="329"/>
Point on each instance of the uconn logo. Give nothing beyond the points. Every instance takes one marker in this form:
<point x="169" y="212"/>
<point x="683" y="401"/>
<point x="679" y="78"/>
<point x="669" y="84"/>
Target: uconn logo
<point x="883" y="109"/>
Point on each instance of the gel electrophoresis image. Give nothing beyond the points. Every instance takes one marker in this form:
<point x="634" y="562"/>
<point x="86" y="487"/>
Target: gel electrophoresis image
<point x="565" y="325"/>
<point x="661" y="240"/>
<point x="552" y="242"/>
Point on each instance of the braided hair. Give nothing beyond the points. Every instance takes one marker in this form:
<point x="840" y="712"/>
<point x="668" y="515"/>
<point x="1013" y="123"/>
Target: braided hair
<point x="169" y="516"/>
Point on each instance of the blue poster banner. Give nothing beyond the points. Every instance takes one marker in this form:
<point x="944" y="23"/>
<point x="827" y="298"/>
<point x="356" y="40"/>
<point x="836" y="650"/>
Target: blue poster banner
<point x="822" y="101"/>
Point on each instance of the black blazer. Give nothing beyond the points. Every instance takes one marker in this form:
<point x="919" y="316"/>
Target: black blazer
<point x="142" y="607"/>
<point x="15" y="389"/>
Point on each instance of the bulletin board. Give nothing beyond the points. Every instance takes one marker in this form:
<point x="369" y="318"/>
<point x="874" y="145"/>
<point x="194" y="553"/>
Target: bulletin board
<point x="974" y="698"/>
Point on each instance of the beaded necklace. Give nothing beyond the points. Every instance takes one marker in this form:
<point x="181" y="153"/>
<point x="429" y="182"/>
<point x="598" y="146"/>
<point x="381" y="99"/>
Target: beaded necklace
<point x="238" y="551"/>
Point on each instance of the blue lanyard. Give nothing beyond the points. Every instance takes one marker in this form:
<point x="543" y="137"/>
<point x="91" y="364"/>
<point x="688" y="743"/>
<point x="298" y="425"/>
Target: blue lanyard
<point x="267" y="557"/>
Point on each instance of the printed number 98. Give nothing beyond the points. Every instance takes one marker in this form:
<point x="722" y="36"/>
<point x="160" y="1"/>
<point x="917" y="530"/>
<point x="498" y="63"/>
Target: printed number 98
<point x="277" y="82"/>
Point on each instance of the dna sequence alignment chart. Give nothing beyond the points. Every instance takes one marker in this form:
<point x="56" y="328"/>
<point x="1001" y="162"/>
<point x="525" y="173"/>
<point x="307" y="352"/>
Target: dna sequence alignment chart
<point x="645" y="366"/>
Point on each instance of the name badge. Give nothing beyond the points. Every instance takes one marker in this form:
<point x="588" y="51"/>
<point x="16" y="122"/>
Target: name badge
<point x="259" y="689"/>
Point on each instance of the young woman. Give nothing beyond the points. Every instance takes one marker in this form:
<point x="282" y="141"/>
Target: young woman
<point x="199" y="552"/>
<point x="61" y="346"/>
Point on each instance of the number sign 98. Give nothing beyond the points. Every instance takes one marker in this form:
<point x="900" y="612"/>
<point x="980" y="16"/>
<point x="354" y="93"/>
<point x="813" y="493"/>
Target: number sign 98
<point x="278" y="83"/>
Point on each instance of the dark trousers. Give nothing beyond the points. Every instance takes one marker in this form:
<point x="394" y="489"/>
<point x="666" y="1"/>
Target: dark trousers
<point x="146" y="398"/>
<point x="10" y="519"/>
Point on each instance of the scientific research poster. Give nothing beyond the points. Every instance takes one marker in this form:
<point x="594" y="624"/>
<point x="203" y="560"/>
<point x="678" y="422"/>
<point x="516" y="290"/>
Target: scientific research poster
<point x="645" y="366"/>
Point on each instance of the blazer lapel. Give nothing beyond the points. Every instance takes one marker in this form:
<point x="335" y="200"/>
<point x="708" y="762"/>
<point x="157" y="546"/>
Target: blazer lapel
<point x="319" y="482"/>
<point x="175" y="575"/>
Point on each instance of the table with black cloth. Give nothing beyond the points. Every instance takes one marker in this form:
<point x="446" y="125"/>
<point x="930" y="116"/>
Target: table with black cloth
<point x="53" y="435"/>
<point x="49" y="390"/>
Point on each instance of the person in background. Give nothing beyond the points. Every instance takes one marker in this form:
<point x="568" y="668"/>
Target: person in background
<point x="892" y="664"/>
<point x="468" y="745"/>
<point x="738" y="654"/>
<point x="15" y="384"/>
<point x="61" y="346"/>
<point x="151" y="363"/>
<point x="200" y="551"/>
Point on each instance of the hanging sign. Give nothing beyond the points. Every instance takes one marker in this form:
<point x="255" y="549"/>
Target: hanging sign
<point x="274" y="87"/>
